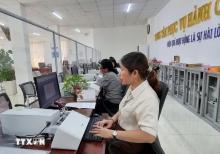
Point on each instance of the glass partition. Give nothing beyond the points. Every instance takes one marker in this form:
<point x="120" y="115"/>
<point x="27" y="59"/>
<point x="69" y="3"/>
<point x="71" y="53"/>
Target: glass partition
<point x="81" y="52"/>
<point x="89" y="55"/>
<point x="36" y="50"/>
<point x="41" y="50"/>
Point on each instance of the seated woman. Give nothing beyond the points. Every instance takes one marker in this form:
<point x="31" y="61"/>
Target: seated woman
<point x="110" y="88"/>
<point x="137" y="118"/>
<point x="116" y="68"/>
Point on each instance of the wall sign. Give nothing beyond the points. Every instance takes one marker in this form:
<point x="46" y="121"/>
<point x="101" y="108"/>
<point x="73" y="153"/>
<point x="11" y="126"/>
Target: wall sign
<point x="195" y="17"/>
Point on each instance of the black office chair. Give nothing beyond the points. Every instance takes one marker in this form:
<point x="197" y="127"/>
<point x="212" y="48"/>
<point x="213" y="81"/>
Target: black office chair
<point x="74" y="70"/>
<point x="5" y="102"/>
<point x="162" y="93"/>
<point x="29" y="91"/>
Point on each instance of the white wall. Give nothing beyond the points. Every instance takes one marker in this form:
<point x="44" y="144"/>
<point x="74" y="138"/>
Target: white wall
<point x="206" y="51"/>
<point x="119" y="41"/>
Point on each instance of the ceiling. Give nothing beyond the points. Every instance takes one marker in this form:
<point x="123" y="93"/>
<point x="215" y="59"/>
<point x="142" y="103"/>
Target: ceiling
<point x="91" y="13"/>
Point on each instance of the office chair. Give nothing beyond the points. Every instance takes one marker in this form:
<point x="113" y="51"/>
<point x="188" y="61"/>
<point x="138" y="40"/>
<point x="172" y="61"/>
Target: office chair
<point x="5" y="102"/>
<point x="162" y="93"/>
<point x="29" y="91"/>
<point x="74" y="70"/>
<point x="60" y="77"/>
<point x="41" y="64"/>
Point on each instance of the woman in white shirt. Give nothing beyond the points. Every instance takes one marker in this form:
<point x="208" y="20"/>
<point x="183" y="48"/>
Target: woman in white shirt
<point x="137" y="118"/>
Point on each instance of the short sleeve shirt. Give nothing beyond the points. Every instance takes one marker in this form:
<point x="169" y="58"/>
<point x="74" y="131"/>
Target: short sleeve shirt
<point x="139" y="109"/>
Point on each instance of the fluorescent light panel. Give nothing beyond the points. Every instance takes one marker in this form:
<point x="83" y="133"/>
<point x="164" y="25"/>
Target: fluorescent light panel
<point x="36" y="34"/>
<point x="129" y="7"/>
<point x="77" y="30"/>
<point x="57" y="15"/>
<point x="2" y="24"/>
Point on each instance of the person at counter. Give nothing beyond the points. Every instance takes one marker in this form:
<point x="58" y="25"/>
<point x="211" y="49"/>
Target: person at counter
<point x="134" y="127"/>
<point x="110" y="89"/>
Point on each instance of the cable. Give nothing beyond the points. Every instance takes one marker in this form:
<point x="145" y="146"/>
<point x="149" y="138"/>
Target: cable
<point x="47" y="125"/>
<point x="34" y="136"/>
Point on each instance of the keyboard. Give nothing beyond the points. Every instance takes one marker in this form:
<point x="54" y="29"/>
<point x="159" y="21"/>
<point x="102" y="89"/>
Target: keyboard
<point x="89" y="136"/>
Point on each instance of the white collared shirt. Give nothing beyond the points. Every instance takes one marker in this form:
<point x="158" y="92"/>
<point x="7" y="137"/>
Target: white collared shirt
<point x="139" y="109"/>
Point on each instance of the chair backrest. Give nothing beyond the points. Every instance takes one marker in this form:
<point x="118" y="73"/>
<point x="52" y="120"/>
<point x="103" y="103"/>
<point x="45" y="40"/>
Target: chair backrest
<point x="28" y="89"/>
<point x="41" y="64"/>
<point x="162" y="93"/>
<point x="5" y="102"/>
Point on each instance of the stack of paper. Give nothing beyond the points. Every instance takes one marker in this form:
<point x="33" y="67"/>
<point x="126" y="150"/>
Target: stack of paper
<point x="84" y="105"/>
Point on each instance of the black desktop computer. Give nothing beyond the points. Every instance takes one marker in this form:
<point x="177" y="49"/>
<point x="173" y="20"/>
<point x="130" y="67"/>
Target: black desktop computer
<point x="48" y="90"/>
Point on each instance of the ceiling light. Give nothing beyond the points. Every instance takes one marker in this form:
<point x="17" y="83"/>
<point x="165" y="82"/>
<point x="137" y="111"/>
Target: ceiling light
<point x="1" y="38"/>
<point x="36" y="34"/>
<point x="57" y="15"/>
<point x="77" y="30"/>
<point x="2" y="24"/>
<point x="129" y="7"/>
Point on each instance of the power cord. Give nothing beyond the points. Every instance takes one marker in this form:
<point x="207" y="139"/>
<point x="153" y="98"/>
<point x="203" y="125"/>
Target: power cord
<point x="37" y="135"/>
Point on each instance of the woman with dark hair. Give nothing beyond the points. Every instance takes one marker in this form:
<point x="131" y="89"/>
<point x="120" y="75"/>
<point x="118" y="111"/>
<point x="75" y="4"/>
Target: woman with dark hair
<point x="115" y="65"/>
<point x="137" y="119"/>
<point x="110" y="88"/>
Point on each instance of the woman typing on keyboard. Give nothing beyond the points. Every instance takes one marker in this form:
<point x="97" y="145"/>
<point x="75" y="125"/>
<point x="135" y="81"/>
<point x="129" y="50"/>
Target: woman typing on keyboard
<point x="134" y="127"/>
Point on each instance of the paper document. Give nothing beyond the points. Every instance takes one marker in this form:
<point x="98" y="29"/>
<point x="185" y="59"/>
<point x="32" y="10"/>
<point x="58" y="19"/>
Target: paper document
<point x="87" y="96"/>
<point x="86" y="105"/>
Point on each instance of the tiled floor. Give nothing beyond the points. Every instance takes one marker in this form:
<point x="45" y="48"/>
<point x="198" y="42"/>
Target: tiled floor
<point x="182" y="132"/>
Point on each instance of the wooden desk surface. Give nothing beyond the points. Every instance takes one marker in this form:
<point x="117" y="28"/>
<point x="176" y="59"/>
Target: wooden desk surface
<point x="84" y="148"/>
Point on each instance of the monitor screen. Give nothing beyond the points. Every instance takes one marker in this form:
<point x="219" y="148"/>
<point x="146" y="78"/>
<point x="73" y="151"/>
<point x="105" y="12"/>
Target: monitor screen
<point x="47" y="89"/>
<point x="74" y="70"/>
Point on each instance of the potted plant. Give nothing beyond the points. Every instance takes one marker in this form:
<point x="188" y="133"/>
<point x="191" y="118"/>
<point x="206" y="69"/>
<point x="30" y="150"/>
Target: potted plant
<point x="74" y="84"/>
<point x="7" y="73"/>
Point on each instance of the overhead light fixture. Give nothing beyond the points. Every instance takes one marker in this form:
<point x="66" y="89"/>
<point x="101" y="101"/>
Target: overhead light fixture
<point x="57" y="15"/>
<point x="1" y="38"/>
<point x="36" y="34"/>
<point x="129" y="7"/>
<point x="77" y="30"/>
<point x="2" y="24"/>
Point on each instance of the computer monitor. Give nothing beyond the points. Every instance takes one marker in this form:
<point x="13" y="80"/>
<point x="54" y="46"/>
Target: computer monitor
<point x="74" y="69"/>
<point x="47" y="89"/>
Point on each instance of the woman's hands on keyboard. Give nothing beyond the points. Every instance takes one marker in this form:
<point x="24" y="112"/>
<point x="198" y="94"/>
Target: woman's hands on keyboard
<point x="105" y="123"/>
<point x="101" y="131"/>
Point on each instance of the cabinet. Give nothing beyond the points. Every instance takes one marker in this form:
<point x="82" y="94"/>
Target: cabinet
<point x="212" y="105"/>
<point x="165" y="75"/>
<point x="195" y="89"/>
<point x="179" y="78"/>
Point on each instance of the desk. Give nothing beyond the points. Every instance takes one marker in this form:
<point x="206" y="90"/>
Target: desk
<point x="84" y="148"/>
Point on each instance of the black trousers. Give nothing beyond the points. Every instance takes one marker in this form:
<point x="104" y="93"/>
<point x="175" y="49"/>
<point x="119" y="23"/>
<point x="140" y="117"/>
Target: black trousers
<point x="105" y="106"/>
<point x="115" y="146"/>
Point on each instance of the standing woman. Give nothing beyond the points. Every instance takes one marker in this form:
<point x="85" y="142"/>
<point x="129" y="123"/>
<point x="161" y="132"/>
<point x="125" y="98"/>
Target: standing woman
<point x="137" y="119"/>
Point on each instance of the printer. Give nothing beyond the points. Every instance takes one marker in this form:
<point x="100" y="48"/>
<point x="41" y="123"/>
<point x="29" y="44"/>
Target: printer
<point x="24" y="121"/>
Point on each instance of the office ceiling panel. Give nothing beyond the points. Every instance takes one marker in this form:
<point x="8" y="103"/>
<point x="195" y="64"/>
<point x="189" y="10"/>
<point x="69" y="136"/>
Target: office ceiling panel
<point x="91" y="13"/>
